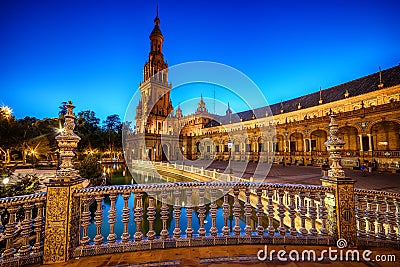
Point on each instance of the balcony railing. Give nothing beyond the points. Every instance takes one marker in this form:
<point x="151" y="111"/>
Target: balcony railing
<point x="21" y="228"/>
<point x="138" y="217"/>
<point x="257" y="216"/>
<point x="378" y="216"/>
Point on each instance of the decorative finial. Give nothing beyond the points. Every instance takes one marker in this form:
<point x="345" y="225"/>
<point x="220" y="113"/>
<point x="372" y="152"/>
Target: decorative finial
<point x="156" y="19"/>
<point x="346" y="94"/>
<point x="334" y="146"/>
<point x="380" y="85"/>
<point x="67" y="142"/>
<point x="299" y="106"/>
<point x="320" y="95"/>
<point x="282" y="110"/>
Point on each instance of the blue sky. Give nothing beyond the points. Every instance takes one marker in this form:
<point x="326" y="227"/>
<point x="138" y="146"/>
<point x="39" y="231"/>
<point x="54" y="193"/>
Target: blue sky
<point x="92" y="52"/>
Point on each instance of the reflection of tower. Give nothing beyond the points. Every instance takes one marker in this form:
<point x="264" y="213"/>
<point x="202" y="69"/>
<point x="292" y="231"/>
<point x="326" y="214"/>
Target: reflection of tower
<point x="178" y="112"/>
<point x="155" y="104"/>
<point x="201" y="106"/>
<point x="229" y="113"/>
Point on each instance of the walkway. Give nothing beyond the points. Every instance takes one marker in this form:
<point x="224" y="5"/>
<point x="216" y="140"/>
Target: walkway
<point x="308" y="175"/>
<point x="232" y="256"/>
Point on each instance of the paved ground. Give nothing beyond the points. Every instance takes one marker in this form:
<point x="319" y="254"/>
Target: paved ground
<point x="305" y="175"/>
<point x="232" y="256"/>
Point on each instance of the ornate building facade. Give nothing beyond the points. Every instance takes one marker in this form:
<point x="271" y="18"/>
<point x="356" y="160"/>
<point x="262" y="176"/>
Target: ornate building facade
<point x="368" y="112"/>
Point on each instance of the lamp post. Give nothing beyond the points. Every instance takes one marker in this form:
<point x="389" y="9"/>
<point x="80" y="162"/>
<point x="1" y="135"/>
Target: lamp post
<point x="154" y="149"/>
<point x="230" y="150"/>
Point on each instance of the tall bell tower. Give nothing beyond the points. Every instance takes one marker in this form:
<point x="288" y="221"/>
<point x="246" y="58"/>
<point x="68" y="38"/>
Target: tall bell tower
<point x="155" y="104"/>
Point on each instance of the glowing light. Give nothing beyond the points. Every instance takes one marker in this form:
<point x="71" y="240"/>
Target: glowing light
<point x="6" y="180"/>
<point x="7" y="111"/>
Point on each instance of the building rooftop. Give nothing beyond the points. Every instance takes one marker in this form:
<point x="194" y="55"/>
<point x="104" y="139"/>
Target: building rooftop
<point x="389" y="77"/>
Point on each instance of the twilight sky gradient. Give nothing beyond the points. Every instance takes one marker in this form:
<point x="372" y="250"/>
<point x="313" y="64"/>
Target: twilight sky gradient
<point x="92" y="52"/>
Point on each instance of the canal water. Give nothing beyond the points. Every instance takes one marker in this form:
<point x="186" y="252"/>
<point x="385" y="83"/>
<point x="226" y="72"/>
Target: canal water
<point x="118" y="175"/>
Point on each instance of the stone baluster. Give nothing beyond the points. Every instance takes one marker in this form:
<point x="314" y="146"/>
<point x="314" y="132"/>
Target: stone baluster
<point x="302" y="211"/>
<point x="271" y="228"/>
<point x="98" y="220"/>
<point x="281" y="212"/>
<point x="369" y="215"/>
<point x="226" y="212"/>
<point x="260" y="212"/>
<point x="151" y="213"/>
<point x="312" y="211"/>
<point x="138" y="216"/>
<point x="213" y="213"/>
<point x="379" y="217"/>
<point x="236" y="212"/>
<point x="85" y="221"/>
<point x="112" y="219"/>
<point x="202" y="213"/>
<point x="189" y="213"/>
<point x="38" y="228"/>
<point x="322" y="213"/>
<point x="247" y="213"/>
<point x="26" y="229"/>
<point x="164" y="215"/>
<point x="9" y="233"/>
<point x="397" y="215"/>
<point x="177" y="214"/>
<point x="292" y="214"/>
<point x="359" y="216"/>
<point x="125" y="218"/>
<point x="390" y="220"/>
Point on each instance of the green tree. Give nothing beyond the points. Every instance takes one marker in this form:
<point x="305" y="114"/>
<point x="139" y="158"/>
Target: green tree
<point x="90" y="169"/>
<point x="88" y="129"/>
<point x="25" y="185"/>
<point x="112" y="126"/>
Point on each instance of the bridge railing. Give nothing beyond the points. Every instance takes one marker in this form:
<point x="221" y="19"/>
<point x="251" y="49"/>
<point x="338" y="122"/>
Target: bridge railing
<point x="377" y="216"/>
<point x="239" y="222"/>
<point x="21" y="229"/>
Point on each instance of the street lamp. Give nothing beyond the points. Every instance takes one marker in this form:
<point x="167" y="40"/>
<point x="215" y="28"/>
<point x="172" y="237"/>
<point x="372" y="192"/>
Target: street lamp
<point x="6" y="180"/>
<point x="154" y="153"/>
<point x="229" y="160"/>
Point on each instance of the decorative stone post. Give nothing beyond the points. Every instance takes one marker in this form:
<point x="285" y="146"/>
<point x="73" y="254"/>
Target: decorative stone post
<point x="62" y="210"/>
<point x="341" y="206"/>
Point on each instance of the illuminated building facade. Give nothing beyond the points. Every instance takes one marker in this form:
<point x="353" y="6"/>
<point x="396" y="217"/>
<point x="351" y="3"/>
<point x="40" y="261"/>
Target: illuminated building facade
<point x="368" y="112"/>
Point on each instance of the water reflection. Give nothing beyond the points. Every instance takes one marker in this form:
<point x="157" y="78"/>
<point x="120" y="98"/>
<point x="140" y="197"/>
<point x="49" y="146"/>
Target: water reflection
<point x="117" y="178"/>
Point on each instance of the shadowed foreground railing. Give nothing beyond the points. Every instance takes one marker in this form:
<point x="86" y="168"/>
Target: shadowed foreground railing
<point x="378" y="217"/>
<point x="247" y="213"/>
<point x="258" y="223"/>
<point x="21" y="229"/>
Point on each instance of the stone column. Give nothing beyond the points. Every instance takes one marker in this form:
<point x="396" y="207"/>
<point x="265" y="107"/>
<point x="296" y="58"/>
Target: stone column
<point x="309" y="144"/>
<point x="369" y="142"/>
<point x="62" y="210"/>
<point x="361" y="142"/>
<point x="340" y="203"/>
<point x="304" y="145"/>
